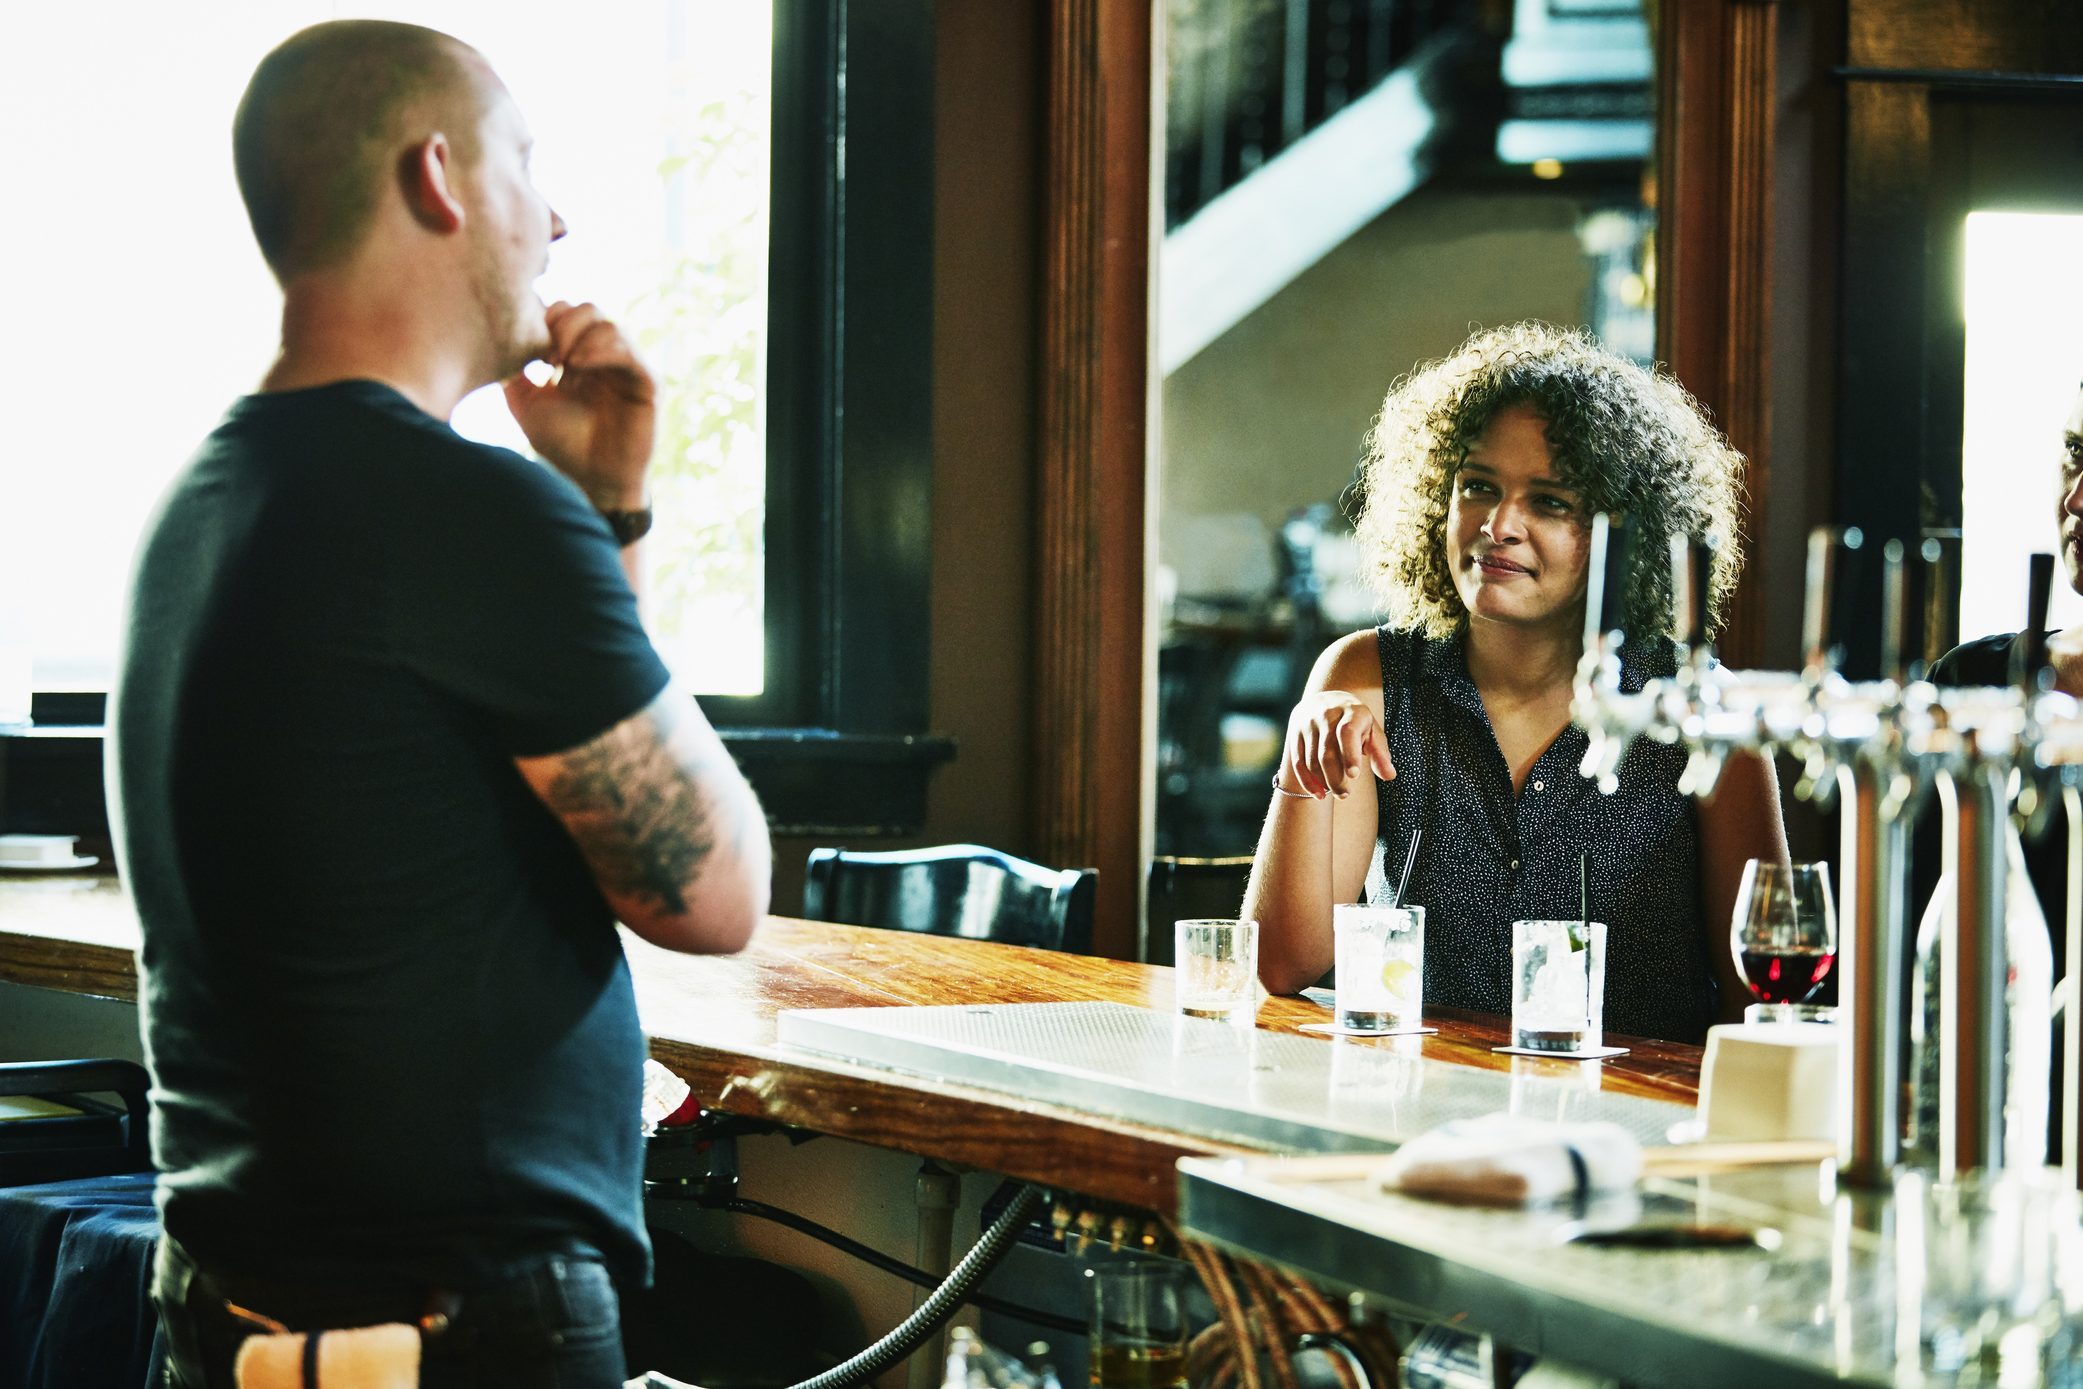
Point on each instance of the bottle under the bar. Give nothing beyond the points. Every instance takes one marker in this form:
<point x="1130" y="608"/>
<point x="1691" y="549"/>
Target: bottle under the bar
<point x="1139" y="1367"/>
<point x="2028" y="1019"/>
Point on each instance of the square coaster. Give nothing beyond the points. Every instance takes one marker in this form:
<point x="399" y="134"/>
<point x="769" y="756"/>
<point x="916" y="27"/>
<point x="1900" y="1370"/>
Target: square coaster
<point x="1332" y="1029"/>
<point x="1593" y="1054"/>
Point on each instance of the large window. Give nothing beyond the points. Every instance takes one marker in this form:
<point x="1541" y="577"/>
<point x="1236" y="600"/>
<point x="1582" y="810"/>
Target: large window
<point x="749" y="186"/>
<point x="131" y="254"/>
<point x="2024" y="361"/>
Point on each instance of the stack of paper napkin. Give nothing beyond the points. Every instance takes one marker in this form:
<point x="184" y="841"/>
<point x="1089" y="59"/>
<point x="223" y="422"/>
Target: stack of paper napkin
<point x="1770" y="1081"/>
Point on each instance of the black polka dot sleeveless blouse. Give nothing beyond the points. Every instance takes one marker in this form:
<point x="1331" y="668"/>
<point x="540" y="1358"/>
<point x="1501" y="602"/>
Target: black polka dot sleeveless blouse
<point x="1490" y="857"/>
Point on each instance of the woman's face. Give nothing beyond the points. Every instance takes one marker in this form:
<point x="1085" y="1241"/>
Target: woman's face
<point x="1517" y="536"/>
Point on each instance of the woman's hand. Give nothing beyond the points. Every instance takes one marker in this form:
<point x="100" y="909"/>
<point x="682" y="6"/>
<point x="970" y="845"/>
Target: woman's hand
<point x="1331" y="736"/>
<point x="1311" y="856"/>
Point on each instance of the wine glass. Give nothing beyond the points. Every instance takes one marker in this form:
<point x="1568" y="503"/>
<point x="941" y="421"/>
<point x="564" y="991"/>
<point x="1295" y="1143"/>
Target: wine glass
<point x="1785" y="938"/>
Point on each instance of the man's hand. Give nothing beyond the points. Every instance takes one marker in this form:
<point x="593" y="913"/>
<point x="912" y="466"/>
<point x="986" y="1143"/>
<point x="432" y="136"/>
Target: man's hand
<point x="597" y="418"/>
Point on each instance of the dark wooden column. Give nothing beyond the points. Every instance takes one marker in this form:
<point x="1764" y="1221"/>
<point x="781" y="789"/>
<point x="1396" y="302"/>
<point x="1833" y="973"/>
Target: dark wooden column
<point x="1092" y="473"/>
<point x="1717" y="96"/>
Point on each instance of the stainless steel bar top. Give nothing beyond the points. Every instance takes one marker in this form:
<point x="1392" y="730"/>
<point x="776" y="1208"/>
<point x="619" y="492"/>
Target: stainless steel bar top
<point x="1220" y="1080"/>
<point x="1820" y="1310"/>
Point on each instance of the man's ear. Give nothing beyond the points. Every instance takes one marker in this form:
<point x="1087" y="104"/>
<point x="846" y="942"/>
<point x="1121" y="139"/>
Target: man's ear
<point x="425" y="177"/>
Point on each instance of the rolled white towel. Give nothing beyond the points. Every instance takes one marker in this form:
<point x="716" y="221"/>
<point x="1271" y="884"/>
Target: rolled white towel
<point x="1503" y="1160"/>
<point x="365" y="1357"/>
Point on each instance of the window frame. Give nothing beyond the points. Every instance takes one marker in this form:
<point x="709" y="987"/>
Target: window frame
<point x="837" y="742"/>
<point x="1923" y="149"/>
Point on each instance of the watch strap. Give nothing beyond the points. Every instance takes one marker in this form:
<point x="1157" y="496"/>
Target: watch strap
<point x="629" y="526"/>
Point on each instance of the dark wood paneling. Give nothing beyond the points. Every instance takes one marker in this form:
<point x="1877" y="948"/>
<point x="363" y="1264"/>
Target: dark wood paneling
<point x="1718" y="90"/>
<point x="1092" y="467"/>
<point x="1884" y="309"/>
<point x="2016" y="36"/>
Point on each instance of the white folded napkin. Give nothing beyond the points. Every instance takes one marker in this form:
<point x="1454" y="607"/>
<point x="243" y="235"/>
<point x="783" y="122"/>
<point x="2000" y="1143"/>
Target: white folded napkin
<point x="1503" y="1160"/>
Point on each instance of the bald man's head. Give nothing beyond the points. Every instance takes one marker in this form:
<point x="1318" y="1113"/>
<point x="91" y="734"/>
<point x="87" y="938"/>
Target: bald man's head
<point x="326" y="118"/>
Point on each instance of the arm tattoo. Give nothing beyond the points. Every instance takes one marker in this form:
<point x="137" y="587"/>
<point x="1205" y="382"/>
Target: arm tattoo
<point x="638" y="816"/>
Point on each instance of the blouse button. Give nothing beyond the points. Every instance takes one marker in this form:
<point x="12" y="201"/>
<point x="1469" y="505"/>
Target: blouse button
<point x="1515" y="865"/>
<point x="1540" y="786"/>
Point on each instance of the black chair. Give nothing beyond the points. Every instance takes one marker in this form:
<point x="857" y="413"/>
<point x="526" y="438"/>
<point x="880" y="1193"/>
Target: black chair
<point x="78" y="1229"/>
<point x="954" y="890"/>
<point x="76" y="1135"/>
<point x="1182" y="889"/>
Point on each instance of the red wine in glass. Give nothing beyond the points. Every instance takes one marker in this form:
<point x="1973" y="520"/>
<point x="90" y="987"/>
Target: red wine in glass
<point x="1787" y="976"/>
<point x="1785" y="935"/>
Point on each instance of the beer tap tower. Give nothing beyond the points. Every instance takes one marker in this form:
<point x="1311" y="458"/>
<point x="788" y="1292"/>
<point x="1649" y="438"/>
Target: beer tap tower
<point x="1880" y="745"/>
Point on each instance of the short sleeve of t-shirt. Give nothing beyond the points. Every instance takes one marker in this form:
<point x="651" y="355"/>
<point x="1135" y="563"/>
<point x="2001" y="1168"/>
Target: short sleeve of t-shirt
<point x="1983" y="661"/>
<point x="507" y="592"/>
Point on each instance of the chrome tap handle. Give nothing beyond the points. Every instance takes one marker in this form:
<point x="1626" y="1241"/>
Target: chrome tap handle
<point x="1818" y="780"/>
<point x="1605" y="594"/>
<point x="1894" y="617"/>
<point x="1815" y="609"/>
<point x="1820" y="620"/>
<point x="2032" y="648"/>
<point x="1692" y="583"/>
<point x="2033" y="806"/>
<point x="1940" y="555"/>
<point x="1702" y="772"/>
<point x="1601" y="765"/>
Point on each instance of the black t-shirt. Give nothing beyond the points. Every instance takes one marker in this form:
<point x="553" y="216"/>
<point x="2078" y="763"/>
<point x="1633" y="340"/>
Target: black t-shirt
<point x="391" y="1030"/>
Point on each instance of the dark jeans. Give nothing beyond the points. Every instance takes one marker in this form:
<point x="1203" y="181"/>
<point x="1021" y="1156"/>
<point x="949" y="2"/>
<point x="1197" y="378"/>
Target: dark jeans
<point x="550" y="1323"/>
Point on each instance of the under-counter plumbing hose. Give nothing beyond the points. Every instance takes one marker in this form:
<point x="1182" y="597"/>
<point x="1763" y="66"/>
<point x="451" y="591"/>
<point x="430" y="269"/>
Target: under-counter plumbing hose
<point x="912" y="1332"/>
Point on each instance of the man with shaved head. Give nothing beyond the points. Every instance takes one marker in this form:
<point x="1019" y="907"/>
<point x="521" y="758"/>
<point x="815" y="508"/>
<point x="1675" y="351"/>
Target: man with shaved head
<point x="392" y="754"/>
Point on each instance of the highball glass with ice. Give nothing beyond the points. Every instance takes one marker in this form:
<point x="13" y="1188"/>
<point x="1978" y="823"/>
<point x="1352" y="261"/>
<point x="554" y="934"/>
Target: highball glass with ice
<point x="1380" y="958"/>
<point x="1558" y="985"/>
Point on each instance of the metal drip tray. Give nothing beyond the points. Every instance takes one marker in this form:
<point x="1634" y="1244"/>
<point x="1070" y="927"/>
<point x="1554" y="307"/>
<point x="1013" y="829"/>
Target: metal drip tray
<point x="1237" y="1084"/>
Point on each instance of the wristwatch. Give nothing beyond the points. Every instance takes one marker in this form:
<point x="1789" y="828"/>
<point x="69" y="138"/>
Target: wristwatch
<point x="629" y="526"/>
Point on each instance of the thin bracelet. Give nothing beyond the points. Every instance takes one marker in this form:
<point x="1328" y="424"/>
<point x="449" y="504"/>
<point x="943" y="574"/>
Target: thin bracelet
<point x="1292" y="795"/>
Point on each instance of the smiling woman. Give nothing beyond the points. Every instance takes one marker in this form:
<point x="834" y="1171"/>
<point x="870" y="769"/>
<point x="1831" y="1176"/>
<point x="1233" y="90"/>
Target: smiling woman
<point x="1450" y="724"/>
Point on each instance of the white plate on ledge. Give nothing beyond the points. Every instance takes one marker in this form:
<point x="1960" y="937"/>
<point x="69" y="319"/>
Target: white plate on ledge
<point x="60" y="865"/>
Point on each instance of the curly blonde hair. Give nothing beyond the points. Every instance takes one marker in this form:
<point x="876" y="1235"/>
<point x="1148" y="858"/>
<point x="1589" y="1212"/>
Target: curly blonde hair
<point x="1627" y="439"/>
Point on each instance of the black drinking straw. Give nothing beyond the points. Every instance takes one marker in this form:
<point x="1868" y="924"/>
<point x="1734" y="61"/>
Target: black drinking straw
<point x="1409" y="859"/>
<point x="1584" y="893"/>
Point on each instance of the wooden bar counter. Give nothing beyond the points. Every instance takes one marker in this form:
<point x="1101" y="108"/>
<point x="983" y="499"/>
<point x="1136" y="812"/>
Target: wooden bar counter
<point x="712" y="1019"/>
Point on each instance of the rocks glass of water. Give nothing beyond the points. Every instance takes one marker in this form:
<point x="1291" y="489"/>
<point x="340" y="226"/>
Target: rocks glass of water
<point x="1215" y="967"/>
<point x="1558" y="986"/>
<point x="1380" y="955"/>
